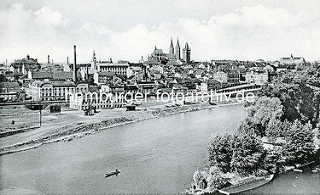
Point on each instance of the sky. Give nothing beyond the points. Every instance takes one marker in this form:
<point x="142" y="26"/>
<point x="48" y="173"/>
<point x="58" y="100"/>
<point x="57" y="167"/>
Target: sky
<point x="127" y="30"/>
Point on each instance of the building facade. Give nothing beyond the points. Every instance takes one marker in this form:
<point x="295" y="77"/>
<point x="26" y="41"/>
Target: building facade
<point x="257" y="78"/>
<point x="54" y="90"/>
<point x="186" y="53"/>
<point x="292" y="60"/>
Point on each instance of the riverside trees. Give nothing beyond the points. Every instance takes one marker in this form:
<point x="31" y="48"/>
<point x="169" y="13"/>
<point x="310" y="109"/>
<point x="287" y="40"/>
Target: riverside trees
<point x="284" y="113"/>
<point x="296" y="97"/>
<point x="239" y="153"/>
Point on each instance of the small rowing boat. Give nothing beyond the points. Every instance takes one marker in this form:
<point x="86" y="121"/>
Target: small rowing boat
<point x="112" y="173"/>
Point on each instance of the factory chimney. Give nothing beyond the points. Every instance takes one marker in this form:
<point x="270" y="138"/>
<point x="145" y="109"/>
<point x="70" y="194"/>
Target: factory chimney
<point x="75" y="64"/>
<point x="87" y="75"/>
<point x="48" y="59"/>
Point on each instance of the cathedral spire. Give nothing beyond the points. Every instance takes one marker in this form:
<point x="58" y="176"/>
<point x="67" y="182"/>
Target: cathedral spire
<point x="171" y="49"/>
<point x="94" y="55"/>
<point x="178" y="50"/>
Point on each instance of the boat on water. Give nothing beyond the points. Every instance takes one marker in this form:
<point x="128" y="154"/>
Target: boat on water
<point x="116" y="172"/>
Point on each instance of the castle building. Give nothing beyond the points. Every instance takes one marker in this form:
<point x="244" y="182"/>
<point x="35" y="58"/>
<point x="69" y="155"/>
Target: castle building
<point x="292" y="60"/>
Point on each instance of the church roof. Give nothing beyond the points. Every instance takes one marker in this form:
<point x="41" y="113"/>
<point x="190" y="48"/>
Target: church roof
<point x="158" y="52"/>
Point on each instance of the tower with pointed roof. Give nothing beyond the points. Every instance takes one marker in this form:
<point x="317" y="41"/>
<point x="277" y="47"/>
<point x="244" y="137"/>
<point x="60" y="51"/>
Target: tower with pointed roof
<point x="171" y="49"/>
<point x="186" y="53"/>
<point x="178" y="55"/>
<point x="94" y="61"/>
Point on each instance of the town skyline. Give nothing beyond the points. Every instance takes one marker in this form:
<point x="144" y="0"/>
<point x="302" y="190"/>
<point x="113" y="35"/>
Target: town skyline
<point x="246" y="30"/>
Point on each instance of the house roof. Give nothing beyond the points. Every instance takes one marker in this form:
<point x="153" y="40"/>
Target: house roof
<point x="41" y="75"/>
<point x="113" y="65"/>
<point x="130" y="87"/>
<point x="62" y="84"/>
<point x="57" y="83"/>
<point x="107" y="74"/>
<point x="11" y="85"/>
<point x="53" y="75"/>
<point x="145" y="82"/>
<point x="63" y="75"/>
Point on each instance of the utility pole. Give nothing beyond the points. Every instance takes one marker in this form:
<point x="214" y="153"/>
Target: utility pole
<point x="40" y="116"/>
<point x="40" y="113"/>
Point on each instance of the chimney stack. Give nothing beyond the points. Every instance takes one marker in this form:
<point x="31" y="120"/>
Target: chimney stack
<point x="75" y="64"/>
<point x="87" y="75"/>
<point x="48" y="59"/>
<point x="67" y="60"/>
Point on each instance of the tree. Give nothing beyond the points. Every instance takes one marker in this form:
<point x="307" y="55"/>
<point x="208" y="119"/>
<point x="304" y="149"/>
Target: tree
<point x="247" y="158"/>
<point x="239" y="153"/>
<point x="299" y="147"/>
<point x="216" y="179"/>
<point x="277" y="128"/>
<point x="260" y="114"/>
<point x="296" y="97"/>
<point x="220" y="152"/>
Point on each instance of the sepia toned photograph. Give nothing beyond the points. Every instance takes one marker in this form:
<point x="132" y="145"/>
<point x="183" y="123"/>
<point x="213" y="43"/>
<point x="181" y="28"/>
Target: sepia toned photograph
<point x="203" y="97"/>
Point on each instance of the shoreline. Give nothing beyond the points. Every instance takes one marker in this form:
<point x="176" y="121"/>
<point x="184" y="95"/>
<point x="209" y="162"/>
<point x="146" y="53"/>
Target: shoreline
<point x="93" y="128"/>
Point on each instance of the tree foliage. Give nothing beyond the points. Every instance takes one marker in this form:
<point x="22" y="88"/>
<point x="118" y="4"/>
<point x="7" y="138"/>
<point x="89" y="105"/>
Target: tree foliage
<point x="215" y="178"/>
<point x="239" y="153"/>
<point x="296" y="97"/>
<point x="299" y="147"/>
<point x="264" y="111"/>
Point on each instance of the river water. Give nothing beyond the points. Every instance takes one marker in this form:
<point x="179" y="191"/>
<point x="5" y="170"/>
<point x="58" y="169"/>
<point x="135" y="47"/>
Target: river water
<point x="306" y="183"/>
<point x="154" y="156"/>
<point x="157" y="156"/>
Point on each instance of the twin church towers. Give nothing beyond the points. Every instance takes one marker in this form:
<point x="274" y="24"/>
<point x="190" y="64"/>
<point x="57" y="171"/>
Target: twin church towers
<point x="186" y="51"/>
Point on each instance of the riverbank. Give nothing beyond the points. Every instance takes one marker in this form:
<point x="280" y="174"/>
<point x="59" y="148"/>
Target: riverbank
<point x="72" y="124"/>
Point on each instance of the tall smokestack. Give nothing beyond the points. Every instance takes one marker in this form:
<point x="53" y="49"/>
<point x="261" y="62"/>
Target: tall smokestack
<point x="48" y="59"/>
<point x="67" y="60"/>
<point x="75" y="64"/>
<point x="87" y="75"/>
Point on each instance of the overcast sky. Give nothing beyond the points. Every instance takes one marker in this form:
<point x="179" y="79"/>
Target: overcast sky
<point x="127" y="30"/>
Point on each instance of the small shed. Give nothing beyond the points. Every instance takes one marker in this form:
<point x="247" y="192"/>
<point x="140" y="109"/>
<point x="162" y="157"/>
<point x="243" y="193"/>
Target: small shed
<point x="55" y="109"/>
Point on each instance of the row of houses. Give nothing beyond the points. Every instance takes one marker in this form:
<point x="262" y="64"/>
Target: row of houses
<point x="50" y="82"/>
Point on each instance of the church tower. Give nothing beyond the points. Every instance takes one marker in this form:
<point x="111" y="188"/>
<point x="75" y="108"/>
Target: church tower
<point x="186" y="53"/>
<point x="94" y="61"/>
<point x="171" y="49"/>
<point x="178" y="50"/>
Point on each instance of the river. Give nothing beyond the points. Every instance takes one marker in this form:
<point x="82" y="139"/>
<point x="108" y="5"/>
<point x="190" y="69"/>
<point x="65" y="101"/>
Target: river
<point x="156" y="156"/>
<point x="306" y="183"/>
